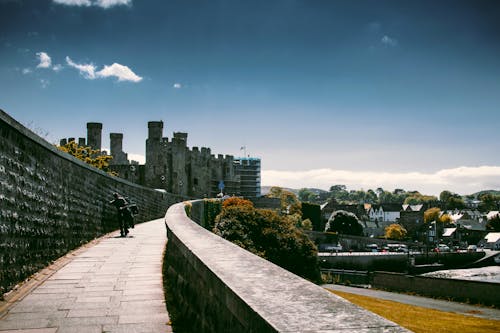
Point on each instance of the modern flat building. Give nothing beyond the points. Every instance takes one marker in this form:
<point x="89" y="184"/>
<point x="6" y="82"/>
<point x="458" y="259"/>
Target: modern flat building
<point x="247" y="169"/>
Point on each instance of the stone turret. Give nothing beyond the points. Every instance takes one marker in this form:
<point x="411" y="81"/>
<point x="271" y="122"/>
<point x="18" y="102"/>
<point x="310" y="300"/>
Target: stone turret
<point x="180" y="138"/>
<point x="94" y="135"/>
<point x="116" y="141"/>
<point x="155" y="130"/>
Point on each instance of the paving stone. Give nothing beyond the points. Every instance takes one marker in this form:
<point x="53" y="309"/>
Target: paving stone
<point x="33" y="330"/>
<point x="25" y="323"/>
<point x="137" y="328"/>
<point x="80" y="329"/>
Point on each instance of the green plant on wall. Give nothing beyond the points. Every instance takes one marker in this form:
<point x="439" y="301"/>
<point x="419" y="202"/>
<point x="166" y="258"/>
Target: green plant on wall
<point x="212" y="208"/>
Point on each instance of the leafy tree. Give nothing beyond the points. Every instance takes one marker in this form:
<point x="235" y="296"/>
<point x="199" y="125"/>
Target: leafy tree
<point x="493" y="223"/>
<point x="417" y="198"/>
<point x="290" y="204"/>
<point x="344" y="222"/>
<point x="488" y="202"/>
<point x="446" y="219"/>
<point x="371" y="196"/>
<point x="432" y="214"/>
<point x="455" y="203"/>
<point x="235" y="201"/>
<point x="275" y="192"/>
<point x="306" y="195"/>
<point x="451" y="200"/>
<point x="88" y="155"/>
<point x="395" y="231"/>
<point x="338" y="188"/>
<point x="339" y="192"/>
<point x="435" y="214"/>
<point x="307" y="225"/>
<point x="271" y="236"/>
<point x="444" y="196"/>
<point x="312" y="212"/>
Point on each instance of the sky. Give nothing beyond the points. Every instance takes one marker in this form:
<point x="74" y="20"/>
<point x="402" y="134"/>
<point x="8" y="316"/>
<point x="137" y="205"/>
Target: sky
<point x="392" y="94"/>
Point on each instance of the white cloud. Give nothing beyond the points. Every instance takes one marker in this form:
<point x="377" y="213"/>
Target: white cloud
<point x="111" y="3"/>
<point x="177" y="85"/>
<point x="45" y="61"/>
<point x="85" y="3"/>
<point x="386" y="40"/>
<point x="45" y="83"/>
<point x="86" y="70"/>
<point x="137" y="157"/>
<point x="26" y="71"/>
<point x="123" y="73"/>
<point x="57" y="68"/>
<point x="99" y="3"/>
<point x="463" y="180"/>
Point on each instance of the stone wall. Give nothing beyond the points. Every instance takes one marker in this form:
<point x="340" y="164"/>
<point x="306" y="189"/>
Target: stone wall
<point x="459" y="290"/>
<point x="51" y="203"/>
<point x="216" y="286"/>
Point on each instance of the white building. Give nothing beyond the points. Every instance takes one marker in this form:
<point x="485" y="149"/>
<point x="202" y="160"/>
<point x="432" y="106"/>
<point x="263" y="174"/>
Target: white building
<point x="492" y="241"/>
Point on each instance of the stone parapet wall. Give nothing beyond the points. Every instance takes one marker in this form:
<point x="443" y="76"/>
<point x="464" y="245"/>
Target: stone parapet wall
<point x="459" y="290"/>
<point x="51" y="203"/>
<point x="216" y="286"/>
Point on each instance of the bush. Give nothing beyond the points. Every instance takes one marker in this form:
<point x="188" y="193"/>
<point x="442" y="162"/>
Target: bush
<point x="271" y="236"/>
<point x="344" y="222"/>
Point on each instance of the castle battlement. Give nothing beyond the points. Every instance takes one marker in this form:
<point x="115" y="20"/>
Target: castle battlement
<point x="170" y="164"/>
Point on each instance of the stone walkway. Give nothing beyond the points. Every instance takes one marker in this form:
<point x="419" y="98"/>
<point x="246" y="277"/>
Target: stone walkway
<point x="114" y="286"/>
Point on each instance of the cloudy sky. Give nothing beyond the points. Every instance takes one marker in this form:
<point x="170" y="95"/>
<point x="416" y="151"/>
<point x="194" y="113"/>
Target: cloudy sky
<point x="364" y="93"/>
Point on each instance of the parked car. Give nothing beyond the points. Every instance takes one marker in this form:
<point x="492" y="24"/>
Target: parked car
<point x="333" y="247"/>
<point x="472" y="248"/>
<point x="442" y="248"/>
<point x="402" y="248"/>
<point x="372" y="247"/>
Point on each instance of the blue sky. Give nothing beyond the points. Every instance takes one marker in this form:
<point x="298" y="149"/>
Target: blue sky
<point x="363" y="93"/>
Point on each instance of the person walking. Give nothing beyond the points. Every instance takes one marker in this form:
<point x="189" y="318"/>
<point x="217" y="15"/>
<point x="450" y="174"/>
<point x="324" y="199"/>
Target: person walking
<point x="121" y="205"/>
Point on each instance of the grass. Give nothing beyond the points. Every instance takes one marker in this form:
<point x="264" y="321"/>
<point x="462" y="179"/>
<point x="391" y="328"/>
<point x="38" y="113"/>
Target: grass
<point x="422" y="320"/>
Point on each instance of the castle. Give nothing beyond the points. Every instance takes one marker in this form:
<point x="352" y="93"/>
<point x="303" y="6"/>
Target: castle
<point x="173" y="167"/>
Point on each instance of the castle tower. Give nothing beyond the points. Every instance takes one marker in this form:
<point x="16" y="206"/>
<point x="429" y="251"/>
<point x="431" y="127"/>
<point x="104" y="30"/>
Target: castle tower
<point x="116" y="142"/>
<point x="155" y="130"/>
<point x="94" y="135"/>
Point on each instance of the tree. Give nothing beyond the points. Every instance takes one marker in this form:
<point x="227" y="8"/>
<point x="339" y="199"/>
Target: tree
<point x="488" y="202"/>
<point x="451" y="200"/>
<point x="417" y="198"/>
<point x="493" y="223"/>
<point x="312" y="212"/>
<point x="344" y="223"/>
<point x="432" y="214"/>
<point x="235" y="201"/>
<point x="275" y="192"/>
<point x="271" y="236"/>
<point x="88" y="155"/>
<point x="306" y="195"/>
<point x="395" y="231"/>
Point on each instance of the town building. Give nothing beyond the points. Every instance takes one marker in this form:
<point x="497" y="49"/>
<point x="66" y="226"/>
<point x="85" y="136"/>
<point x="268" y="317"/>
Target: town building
<point x="248" y="170"/>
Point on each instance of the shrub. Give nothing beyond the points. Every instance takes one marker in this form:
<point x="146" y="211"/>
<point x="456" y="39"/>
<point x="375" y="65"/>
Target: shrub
<point x="271" y="236"/>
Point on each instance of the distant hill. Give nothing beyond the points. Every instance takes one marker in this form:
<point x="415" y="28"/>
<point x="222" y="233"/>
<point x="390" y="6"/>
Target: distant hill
<point x="265" y="190"/>
<point x="494" y="192"/>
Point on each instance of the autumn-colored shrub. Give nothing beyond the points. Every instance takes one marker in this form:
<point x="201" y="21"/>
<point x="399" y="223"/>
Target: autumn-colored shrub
<point x="235" y="201"/>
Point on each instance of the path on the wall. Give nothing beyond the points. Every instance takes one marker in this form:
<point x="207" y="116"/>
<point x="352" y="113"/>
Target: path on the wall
<point x="114" y="286"/>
